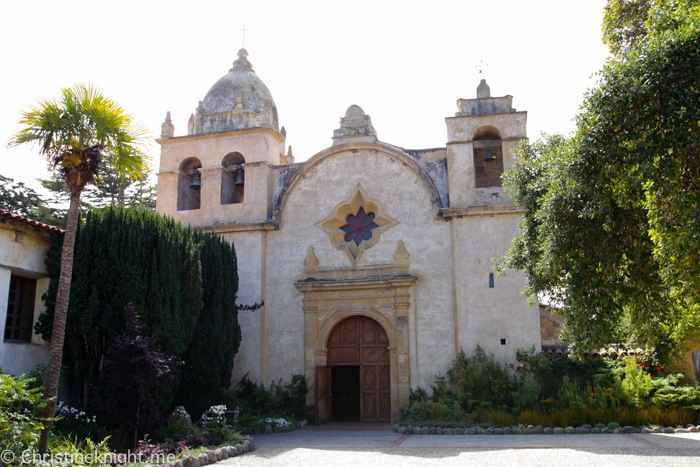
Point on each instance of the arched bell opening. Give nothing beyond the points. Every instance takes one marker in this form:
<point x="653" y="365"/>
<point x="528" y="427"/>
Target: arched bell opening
<point x="488" y="157"/>
<point x="355" y="385"/>
<point x="232" y="178"/>
<point x="189" y="184"/>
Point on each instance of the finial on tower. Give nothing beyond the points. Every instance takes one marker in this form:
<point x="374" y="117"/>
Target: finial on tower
<point x="289" y="158"/>
<point x="483" y="91"/>
<point x="242" y="63"/>
<point x="167" y="129"/>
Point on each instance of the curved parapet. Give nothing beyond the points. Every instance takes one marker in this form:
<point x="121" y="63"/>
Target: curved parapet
<point x="389" y="150"/>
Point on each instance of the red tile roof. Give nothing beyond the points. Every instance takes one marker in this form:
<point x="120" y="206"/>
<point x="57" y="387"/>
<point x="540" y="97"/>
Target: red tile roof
<point x="26" y="220"/>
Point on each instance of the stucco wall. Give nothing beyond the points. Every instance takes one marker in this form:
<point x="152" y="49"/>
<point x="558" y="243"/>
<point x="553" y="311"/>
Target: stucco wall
<point x="487" y="315"/>
<point x="29" y="254"/>
<point x="248" y="247"/>
<point x="24" y="258"/>
<point x="404" y="198"/>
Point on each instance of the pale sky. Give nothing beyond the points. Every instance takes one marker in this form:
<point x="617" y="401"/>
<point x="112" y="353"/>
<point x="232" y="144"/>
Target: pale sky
<point x="405" y="63"/>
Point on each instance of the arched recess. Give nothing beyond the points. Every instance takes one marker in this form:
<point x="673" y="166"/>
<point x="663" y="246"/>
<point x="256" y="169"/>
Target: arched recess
<point x="232" y="171"/>
<point x="188" y="197"/>
<point x="488" y="157"/>
<point x="387" y="149"/>
<point x="387" y="301"/>
<point x="359" y="370"/>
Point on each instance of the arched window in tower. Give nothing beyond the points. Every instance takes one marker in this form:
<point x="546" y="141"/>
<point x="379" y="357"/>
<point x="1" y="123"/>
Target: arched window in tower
<point x="189" y="184"/>
<point x="232" y="178"/>
<point x="488" y="157"/>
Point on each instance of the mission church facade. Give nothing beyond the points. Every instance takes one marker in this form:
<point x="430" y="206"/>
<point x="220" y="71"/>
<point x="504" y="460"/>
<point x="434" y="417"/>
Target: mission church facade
<point x="374" y="262"/>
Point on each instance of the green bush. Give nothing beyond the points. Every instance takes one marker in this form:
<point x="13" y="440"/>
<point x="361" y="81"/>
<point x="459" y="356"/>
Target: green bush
<point x="82" y="453"/>
<point x="447" y="409"/>
<point x="19" y="414"/>
<point x="258" y="404"/>
<point x="675" y="391"/>
<point x="526" y="396"/>
<point x="637" y="384"/>
<point x="549" y="372"/>
<point x="480" y="381"/>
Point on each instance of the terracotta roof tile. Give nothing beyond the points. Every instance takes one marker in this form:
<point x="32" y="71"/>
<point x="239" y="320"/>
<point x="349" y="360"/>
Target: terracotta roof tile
<point x="26" y="220"/>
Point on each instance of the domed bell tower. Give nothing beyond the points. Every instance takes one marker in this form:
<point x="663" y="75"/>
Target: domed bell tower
<point x="221" y="173"/>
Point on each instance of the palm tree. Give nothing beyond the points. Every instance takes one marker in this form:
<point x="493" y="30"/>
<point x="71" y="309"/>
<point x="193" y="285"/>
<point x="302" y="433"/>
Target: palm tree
<point x="79" y="134"/>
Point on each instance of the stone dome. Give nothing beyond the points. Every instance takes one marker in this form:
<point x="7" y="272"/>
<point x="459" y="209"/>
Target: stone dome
<point x="238" y="91"/>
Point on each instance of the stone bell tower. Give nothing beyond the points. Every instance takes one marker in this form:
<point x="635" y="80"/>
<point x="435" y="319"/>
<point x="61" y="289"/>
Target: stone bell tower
<point x="220" y="173"/>
<point x="480" y="138"/>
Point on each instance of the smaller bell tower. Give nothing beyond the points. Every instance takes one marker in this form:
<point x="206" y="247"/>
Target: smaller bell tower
<point x="480" y="140"/>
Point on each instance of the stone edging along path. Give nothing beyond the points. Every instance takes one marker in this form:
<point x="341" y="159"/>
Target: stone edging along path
<point x="247" y="444"/>
<point x="410" y="430"/>
<point x="213" y="456"/>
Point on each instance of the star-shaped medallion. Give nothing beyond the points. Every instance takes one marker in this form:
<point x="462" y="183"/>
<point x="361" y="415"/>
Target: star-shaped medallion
<point x="356" y="224"/>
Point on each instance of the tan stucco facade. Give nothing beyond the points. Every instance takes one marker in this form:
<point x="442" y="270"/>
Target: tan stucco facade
<point x="425" y="273"/>
<point x="23" y="250"/>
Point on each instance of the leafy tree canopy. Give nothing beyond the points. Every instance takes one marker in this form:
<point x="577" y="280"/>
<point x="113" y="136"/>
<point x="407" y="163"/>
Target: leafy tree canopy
<point x="20" y="199"/>
<point x="628" y="21"/>
<point x="610" y="231"/>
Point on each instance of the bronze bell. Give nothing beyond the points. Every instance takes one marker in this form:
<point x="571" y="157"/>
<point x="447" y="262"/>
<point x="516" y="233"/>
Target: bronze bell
<point x="489" y="157"/>
<point x="196" y="182"/>
<point x="239" y="177"/>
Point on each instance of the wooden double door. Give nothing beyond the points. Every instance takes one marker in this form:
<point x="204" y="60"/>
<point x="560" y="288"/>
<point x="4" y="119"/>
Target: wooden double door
<point x="358" y="341"/>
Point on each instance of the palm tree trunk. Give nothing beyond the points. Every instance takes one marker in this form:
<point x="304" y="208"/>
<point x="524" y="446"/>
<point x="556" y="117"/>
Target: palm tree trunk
<point x="53" y="371"/>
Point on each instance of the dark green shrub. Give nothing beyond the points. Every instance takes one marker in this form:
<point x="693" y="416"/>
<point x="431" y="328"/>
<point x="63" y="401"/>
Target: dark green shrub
<point x="257" y="404"/>
<point x="183" y="284"/>
<point x="549" y="372"/>
<point x="480" y="381"/>
<point x="442" y="410"/>
<point x="675" y="391"/>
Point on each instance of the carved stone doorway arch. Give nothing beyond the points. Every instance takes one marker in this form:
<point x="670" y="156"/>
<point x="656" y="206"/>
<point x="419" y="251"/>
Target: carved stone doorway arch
<point x="332" y="295"/>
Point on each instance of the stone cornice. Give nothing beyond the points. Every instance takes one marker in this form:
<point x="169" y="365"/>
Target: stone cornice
<point x="487" y="115"/>
<point x="471" y="141"/>
<point x="243" y="227"/>
<point x="176" y="139"/>
<point x="378" y="282"/>
<point x="219" y="167"/>
<point x="480" y="211"/>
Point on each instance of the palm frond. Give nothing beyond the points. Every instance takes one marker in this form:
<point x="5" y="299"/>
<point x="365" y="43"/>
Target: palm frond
<point x="83" y="129"/>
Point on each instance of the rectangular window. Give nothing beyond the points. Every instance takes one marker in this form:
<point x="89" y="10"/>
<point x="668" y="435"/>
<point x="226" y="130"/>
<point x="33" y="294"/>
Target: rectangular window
<point x="491" y="280"/>
<point x="20" y="310"/>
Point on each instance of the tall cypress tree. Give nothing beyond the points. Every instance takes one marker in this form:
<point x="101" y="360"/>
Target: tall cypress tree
<point x="127" y="256"/>
<point x="184" y="285"/>
<point x="209" y="358"/>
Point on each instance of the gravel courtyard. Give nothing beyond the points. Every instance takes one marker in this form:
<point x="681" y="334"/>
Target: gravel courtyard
<point x="364" y="445"/>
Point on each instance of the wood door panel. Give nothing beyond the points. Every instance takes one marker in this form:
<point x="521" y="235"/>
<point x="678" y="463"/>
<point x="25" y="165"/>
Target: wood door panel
<point x="369" y="408"/>
<point x="324" y="398"/>
<point x="343" y="355"/>
<point x="384" y="407"/>
<point x="362" y="341"/>
<point x="384" y="380"/>
<point x="375" y="355"/>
